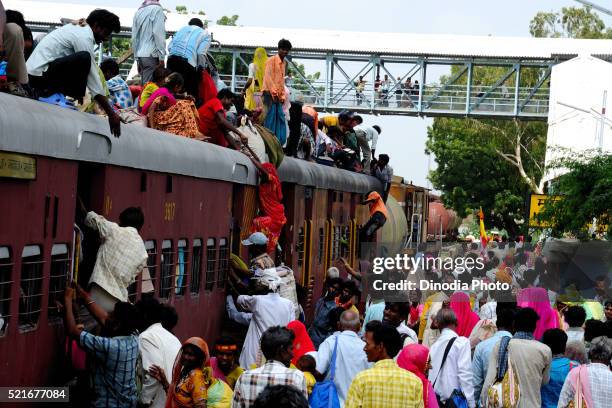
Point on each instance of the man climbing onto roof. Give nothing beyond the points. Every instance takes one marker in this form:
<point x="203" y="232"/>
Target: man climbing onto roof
<point x="378" y="216"/>
<point x="214" y="124"/>
<point x="64" y="62"/>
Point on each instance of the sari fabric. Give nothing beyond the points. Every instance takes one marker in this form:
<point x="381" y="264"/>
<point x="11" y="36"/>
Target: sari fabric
<point x="413" y="358"/>
<point x="180" y="119"/>
<point x="537" y="299"/>
<point x="270" y="203"/>
<point x="466" y="318"/>
<point x="207" y="89"/>
<point x="192" y="389"/>
<point x="159" y="92"/>
<point x="259" y="62"/>
<point x="302" y="343"/>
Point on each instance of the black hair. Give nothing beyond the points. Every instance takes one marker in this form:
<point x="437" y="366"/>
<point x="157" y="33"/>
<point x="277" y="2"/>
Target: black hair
<point x="15" y="17"/>
<point x="225" y="93"/>
<point x="334" y="281"/>
<point x="403" y="308"/>
<point x="132" y="217"/>
<point x="284" y="44"/>
<point x="594" y="328"/>
<point x="387" y="335"/>
<point x="333" y="317"/>
<point x="127" y="317"/>
<point x="196" y="22"/>
<point x="530" y="276"/>
<point x="160" y="74"/>
<point x="307" y="363"/>
<point x="104" y="19"/>
<point x="351" y="286"/>
<point x="334" y="130"/>
<point x="286" y="396"/>
<point x="556" y="339"/>
<point x="274" y="339"/>
<point x="383" y="157"/>
<point x="110" y="65"/>
<point x="505" y="316"/>
<point x="526" y="320"/>
<point x="150" y="311"/>
<point x="358" y="118"/>
<point x="473" y="246"/>
<point x="377" y="128"/>
<point x="602" y="278"/>
<point x="198" y="353"/>
<point x="575" y="316"/>
<point x="27" y="34"/>
<point x="169" y="317"/>
<point x="173" y="80"/>
<point x="608" y="302"/>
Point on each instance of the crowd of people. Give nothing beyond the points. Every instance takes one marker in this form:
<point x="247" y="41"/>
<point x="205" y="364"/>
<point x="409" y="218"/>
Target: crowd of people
<point x="178" y="89"/>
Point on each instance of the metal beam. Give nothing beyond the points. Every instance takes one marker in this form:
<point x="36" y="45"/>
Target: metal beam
<point x="328" y="62"/>
<point x="451" y="81"/>
<point x="375" y="61"/>
<point x="234" y="54"/>
<point x="306" y="80"/>
<point x="537" y="86"/>
<point x="517" y="88"/>
<point x="494" y="87"/>
<point x="468" y="93"/>
<point x="351" y="83"/>
<point x="422" y="85"/>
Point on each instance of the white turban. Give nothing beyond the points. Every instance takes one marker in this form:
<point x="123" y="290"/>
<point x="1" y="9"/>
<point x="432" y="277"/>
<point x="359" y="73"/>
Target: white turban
<point x="268" y="278"/>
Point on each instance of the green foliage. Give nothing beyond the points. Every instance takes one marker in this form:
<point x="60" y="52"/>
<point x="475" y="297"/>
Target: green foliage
<point x="202" y="13"/>
<point x="228" y="21"/>
<point x="299" y="84"/>
<point x="120" y="47"/>
<point x="586" y="193"/>
<point x="181" y="9"/>
<point x="224" y="59"/>
<point x="570" y="22"/>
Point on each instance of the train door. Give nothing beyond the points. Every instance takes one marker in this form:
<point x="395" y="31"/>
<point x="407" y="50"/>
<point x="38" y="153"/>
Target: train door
<point x="317" y="212"/>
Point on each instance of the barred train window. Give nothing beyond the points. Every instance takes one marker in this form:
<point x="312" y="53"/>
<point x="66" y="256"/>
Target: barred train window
<point x="148" y="284"/>
<point x="6" y="282"/>
<point x="300" y="248"/>
<point x="60" y="274"/>
<point x="321" y="244"/>
<point x="223" y="262"/>
<point x="166" y="267"/>
<point x="211" y="260"/>
<point x="196" y="266"/>
<point x="31" y="286"/>
<point x="345" y="242"/>
<point x="181" y="276"/>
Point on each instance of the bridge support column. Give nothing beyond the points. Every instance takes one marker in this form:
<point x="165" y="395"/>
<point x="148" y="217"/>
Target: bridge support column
<point x="234" y="59"/>
<point x="329" y="61"/>
<point x="468" y="93"/>
<point x="517" y="87"/>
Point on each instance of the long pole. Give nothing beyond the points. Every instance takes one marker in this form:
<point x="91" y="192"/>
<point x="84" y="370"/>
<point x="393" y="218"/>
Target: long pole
<point x="602" y="123"/>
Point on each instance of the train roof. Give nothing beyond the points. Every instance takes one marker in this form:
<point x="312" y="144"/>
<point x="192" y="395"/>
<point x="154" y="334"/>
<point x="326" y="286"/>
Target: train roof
<point x="37" y="128"/>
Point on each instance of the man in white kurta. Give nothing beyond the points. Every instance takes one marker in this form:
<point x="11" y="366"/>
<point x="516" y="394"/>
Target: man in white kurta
<point x="268" y="310"/>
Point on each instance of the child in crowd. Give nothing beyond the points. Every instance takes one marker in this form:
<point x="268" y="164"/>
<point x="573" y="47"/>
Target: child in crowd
<point x="159" y="76"/>
<point x="307" y="365"/>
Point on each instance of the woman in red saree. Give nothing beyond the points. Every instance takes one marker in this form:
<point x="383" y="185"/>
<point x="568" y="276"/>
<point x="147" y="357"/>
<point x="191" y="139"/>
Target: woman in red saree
<point x="270" y="204"/>
<point x="302" y="343"/>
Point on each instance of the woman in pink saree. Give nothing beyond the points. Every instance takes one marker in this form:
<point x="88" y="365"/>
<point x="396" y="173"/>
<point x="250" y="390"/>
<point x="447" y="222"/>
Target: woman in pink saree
<point x="537" y="299"/>
<point x="466" y="318"/>
<point x="415" y="358"/>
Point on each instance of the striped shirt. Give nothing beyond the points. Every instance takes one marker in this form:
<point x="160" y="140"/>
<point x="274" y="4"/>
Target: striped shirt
<point x="252" y="382"/>
<point x="191" y="43"/>
<point x="114" y="374"/>
<point x="385" y="386"/>
<point x="149" y="32"/>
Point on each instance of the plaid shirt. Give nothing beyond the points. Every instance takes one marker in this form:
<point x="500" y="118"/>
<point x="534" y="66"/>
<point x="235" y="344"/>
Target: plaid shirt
<point x="114" y="374"/>
<point x="121" y="257"/>
<point x="385" y="386"/>
<point x="252" y="382"/>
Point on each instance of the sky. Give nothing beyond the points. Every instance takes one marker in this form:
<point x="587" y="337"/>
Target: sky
<point x="403" y="137"/>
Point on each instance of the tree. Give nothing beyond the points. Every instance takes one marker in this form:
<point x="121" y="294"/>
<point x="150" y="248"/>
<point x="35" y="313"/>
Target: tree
<point x="223" y="60"/>
<point x="571" y="22"/>
<point x="228" y="21"/>
<point x="181" y="9"/>
<point x="585" y="194"/>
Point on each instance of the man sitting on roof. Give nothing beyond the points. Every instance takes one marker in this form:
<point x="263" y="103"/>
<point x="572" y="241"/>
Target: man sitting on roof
<point x="64" y="62"/>
<point x="214" y="124"/>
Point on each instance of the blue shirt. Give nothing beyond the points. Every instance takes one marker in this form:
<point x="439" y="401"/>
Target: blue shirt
<point x="114" y="376"/>
<point x="191" y="43"/>
<point x="149" y="32"/>
<point x="320" y="328"/>
<point x="559" y="369"/>
<point x="120" y="92"/>
<point x="480" y="362"/>
<point x="375" y="311"/>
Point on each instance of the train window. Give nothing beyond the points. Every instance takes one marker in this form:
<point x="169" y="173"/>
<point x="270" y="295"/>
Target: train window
<point x="58" y="278"/>
<point x="31" y="286"/>
<point x="341" y="195"/>
<point x="336" y="243"/>
<point x="181" y="276"/>
<point x="223" y="261"/>
<point x="166" y="268"/>
<point x="345" y="242"/>
<point x="196" y="266"/>
<point x="300" y="247"/>
<point x="6" y="282"/>
<point x="321" y="244"/>
<point x="148" y="283"/>
<point x="211" y="260"/>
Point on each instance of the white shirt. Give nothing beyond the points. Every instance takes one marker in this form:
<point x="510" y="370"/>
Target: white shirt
<point x="371" y="134"/>
<point x="457" y="371"/>
<point x="121" y="256"/>
<point x="575" y="334"/>
<point x="63" y="42"/>
<point x="268" y="310"/>
<point x="157" y="347"/>
<point x="251" y="70"/>
<point x="350" y="360"/>
<point x="411" y="338"/>
<point x="234" y="314"/>
<point x="149" y="32"/>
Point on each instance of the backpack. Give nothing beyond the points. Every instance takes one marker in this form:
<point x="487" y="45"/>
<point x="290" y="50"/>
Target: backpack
<point x="324" y="394"/>
<point x="505" y="392"/>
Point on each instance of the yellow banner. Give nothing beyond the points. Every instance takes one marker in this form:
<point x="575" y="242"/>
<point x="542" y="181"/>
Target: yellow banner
<point x="17" y="166"/>
<point x="535" y="207"/>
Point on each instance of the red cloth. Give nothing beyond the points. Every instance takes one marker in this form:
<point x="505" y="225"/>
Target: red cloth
<point x="466" y="318"/>
<point x="208" y="124"/>
<point x="207" y="88"/>
<point x="270" y="204"/>
<point x="413" y="358"/>
<point x="302" y="343"/>
<point x="135" y="90"/>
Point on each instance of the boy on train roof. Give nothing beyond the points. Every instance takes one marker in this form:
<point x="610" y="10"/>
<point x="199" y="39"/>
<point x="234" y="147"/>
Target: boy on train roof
<point x="213" y="121"/>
